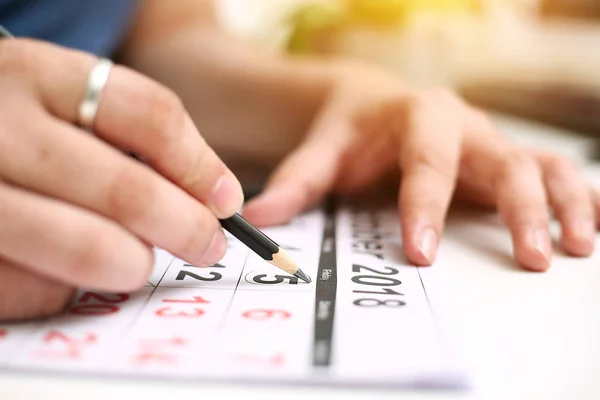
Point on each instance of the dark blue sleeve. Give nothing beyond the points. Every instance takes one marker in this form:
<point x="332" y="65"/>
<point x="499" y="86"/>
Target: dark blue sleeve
<point x="95" y="26"/>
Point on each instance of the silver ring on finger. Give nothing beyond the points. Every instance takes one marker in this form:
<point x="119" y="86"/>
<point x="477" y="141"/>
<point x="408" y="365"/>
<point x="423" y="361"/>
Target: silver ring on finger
<point x="96" y="81"/>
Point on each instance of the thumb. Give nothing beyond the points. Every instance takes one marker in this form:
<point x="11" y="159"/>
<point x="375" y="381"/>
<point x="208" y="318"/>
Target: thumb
<point x="306" y="175"/>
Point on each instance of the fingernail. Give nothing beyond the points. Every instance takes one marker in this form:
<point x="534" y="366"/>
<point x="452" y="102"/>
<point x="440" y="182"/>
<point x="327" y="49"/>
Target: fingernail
<point x="227" y="197"/>
<point x="541" y="242"/>
<point x="427" y="243"/>
<point x="216" y="250"/>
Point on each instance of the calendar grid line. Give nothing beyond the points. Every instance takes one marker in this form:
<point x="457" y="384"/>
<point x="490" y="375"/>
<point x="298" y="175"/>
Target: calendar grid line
<point x="424" y="290"/>
<point x="162" y="276"/>
<point x="227" y="310"/>
<point x="127" y="327"/>
<point x="434" y="321"/>
<point x="219" y="329"/>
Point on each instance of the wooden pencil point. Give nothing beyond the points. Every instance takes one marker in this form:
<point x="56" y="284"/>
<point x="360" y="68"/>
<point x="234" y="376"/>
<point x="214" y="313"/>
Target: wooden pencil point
<point x="282" y="260"/>
<point x="262" y="245"/>
<point x="303" y="276"/>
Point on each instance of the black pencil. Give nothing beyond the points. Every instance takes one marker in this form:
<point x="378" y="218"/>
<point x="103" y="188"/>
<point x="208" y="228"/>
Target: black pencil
<point x="262" y="245"/>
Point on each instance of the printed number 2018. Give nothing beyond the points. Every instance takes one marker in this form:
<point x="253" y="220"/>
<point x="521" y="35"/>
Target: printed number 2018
<point x="382" y="278"/>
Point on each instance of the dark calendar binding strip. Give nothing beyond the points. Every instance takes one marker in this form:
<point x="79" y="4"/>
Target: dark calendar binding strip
<point x="326" y="285"/>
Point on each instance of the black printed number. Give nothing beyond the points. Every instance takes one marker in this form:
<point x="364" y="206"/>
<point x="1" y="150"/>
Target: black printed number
<point x="357" y="268"/>
<point x="292" y="280"/>
<point x="374" y="280"/>
<point x="214" y="276"/>
<point x="377" y="302"/>
<point x="381" y="282"/>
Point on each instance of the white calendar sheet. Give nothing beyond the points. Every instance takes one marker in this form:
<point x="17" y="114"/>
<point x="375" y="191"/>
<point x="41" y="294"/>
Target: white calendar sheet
<point x="365" y="319"/>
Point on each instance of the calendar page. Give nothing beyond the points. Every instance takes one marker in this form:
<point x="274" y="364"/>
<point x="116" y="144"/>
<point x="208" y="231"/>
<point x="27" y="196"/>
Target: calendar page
<point x="366" y="318"/>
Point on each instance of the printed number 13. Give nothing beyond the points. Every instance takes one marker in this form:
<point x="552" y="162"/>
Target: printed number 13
<point x="195" y="312"/>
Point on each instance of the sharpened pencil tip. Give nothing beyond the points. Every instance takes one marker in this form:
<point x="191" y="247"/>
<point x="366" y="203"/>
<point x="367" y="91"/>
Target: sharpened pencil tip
<point x="303" y="276"/>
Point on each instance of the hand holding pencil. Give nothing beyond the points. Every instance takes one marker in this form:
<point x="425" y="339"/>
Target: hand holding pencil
<point x="81" y="212"/>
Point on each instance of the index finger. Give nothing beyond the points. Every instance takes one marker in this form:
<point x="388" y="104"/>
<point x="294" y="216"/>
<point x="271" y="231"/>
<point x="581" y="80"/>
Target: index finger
<point x="429" y="160"/>
<point x="135" y="114"/>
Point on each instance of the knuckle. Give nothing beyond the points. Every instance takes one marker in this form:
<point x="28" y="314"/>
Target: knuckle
<point x="438" y="163"/>
<point x="17" y="57"/>
<point x="93" y="262"/>
<point x="202" y="170"/>
<point x="443" y="95"/>
<point x="89" y="256"/>
<point x="482" y="120"/>
<point x="196" y="244"/>
<point x="433" y="98"/>
<point x="512" y="163"/>
<point x="417" y="107"/>
<point x="566" y="185"/>
<point x="24" y="295"/>
<point x="130" y="195"/>
<point x="307" y="191"/>
<point x="167" y="115"/>
<point x="421" y="104"/>
<point x="415" y="102"/>
<point x="480" y="115"/>
<point x="55" y="300"/>
<point x="561" y="166"/>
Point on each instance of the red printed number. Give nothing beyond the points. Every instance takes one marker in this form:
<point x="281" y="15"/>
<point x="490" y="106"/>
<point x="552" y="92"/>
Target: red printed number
<point x="66" y="346"/>
<point x="169" y="311"/>
<point x="105" y="304"/>
<point x="159" y="351"/>
<point x="58" y="336"/>
<point x="3" y="333"/>
<point x="276" y="360"/>
<point x="261" y="314"/>
<point x="195" y="299"/>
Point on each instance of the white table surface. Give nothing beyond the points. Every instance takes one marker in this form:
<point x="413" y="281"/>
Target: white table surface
<point x="523" y="335"/>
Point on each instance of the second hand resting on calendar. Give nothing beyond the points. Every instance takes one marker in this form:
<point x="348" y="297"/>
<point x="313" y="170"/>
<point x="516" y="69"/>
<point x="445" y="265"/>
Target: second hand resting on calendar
<point x="77" y="212"/>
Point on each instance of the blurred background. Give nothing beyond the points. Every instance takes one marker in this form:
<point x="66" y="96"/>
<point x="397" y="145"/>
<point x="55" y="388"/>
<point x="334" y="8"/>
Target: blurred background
<point x="538" y="59"/>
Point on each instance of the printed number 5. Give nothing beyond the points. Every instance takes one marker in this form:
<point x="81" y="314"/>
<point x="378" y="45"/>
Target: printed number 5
<point x="278" y="279"/>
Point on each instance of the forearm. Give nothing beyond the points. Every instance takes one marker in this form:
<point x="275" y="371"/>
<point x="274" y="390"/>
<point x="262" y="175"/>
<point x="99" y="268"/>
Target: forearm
<point x="249" y="104"/>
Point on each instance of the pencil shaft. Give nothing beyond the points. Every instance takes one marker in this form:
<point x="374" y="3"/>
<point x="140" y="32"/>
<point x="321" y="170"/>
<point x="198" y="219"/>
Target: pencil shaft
<point x="250" y="236"/>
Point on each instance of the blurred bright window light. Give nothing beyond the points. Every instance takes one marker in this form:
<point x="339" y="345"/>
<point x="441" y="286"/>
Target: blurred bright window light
<point x="442" y="42"/>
